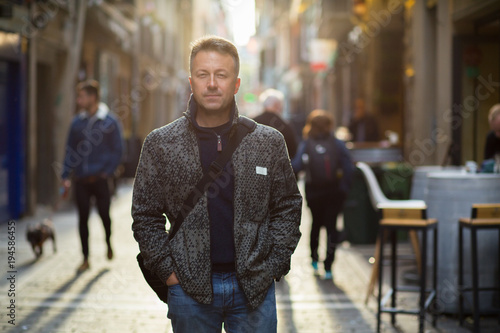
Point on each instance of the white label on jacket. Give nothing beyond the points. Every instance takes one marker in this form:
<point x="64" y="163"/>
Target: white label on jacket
<point x="261" y="171"/>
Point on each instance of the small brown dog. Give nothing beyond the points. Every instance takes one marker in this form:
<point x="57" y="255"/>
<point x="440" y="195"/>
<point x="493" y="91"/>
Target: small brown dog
<point x="39" y="233"/>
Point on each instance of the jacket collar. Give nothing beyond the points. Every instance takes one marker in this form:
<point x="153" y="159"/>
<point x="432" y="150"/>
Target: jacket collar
<point x="192" y="108"/>
<point x="102" y="112"/>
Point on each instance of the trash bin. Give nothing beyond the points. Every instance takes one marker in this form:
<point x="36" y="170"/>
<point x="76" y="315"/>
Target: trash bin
<point x="360" y="218"/>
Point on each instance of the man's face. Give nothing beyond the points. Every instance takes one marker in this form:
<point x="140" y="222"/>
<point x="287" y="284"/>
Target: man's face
<point x="359" y="109"/>
<point x="84" y="100"/>
<point x="213" y="81"/>
<point x="495" y="126"/>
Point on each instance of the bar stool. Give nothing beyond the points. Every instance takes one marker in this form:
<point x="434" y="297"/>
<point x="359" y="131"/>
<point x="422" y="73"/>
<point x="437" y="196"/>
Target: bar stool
<point x="407" y="219"/>
<point x="483" y="216"/>
<point x="379" y="202"/>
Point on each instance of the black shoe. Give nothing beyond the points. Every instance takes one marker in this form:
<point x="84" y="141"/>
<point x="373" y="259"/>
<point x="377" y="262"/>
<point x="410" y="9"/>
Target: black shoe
<point x="110" y="253"/>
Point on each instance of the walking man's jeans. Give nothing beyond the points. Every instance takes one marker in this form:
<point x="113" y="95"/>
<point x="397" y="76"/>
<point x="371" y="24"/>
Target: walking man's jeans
<point x="229" y="307"/>
<point x="84" y="191"/>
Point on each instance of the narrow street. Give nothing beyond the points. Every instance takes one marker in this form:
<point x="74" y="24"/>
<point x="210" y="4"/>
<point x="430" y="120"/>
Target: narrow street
<point x="113" y="297"/>
<point x="406" y="90"/>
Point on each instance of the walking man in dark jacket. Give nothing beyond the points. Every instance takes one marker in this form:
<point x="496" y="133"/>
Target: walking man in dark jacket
<point x="93" y="152"/>
<point x="238" y="239"/>
<point x="272" y="101"/>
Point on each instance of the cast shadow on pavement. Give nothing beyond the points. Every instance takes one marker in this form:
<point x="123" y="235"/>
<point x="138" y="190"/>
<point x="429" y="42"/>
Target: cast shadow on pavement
<point x="39" y="312"/>
<point x="29" y="263"/>
<point x="343" y="314"/>
<point x="283" y="288"/>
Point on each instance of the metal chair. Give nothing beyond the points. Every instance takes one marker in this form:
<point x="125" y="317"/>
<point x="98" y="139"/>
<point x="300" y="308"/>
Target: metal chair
<point x="483" y="216"/>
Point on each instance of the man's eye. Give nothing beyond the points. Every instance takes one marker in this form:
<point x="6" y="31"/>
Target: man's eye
<point x="221" y="76"/>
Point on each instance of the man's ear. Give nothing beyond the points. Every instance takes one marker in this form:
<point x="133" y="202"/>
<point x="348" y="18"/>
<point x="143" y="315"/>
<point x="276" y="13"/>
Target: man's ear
<point x="190" y="83"/>
<point x="237" y="85"/>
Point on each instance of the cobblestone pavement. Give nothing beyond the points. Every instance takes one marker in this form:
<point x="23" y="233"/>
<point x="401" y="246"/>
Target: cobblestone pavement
<point x="113" y="297"/>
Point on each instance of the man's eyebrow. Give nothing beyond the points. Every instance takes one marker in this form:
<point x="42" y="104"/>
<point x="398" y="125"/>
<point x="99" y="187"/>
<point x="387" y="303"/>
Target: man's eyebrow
<point x="220" y="70"/>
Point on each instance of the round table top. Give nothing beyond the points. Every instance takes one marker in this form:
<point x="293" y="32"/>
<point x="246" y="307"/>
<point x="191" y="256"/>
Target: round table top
<point x="463" y="175"/>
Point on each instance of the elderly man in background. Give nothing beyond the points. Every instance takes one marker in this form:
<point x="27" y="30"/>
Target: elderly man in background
<point x="272" y="102"/>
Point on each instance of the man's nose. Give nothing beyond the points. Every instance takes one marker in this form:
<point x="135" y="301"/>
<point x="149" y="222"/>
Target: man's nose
<point x="212" y="83"/>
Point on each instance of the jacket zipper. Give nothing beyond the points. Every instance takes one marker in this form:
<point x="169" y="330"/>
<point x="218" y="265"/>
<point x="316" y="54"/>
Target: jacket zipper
<point x="219" y="143"/>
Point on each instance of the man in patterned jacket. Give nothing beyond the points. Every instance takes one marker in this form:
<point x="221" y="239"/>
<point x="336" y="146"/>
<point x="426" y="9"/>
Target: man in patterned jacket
<point x="221" y="264"/>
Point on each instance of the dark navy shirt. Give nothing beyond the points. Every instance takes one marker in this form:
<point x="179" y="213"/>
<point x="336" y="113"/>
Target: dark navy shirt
<point x="220" y="196"/>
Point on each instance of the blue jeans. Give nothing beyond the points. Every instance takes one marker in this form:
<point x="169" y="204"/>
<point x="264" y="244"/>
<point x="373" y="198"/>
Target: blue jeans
<point x="229" y="307"/>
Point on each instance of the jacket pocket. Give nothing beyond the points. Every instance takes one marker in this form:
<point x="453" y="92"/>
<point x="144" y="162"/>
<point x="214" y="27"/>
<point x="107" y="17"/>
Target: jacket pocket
<point x="257" y="195"/>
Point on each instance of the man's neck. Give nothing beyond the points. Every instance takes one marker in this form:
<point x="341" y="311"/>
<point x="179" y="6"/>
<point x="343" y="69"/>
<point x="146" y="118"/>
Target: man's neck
<point x="209" y="119"/>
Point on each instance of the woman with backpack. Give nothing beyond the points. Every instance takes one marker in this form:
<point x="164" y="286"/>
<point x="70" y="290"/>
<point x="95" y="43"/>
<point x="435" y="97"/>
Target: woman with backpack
<point x="328" y="175"/>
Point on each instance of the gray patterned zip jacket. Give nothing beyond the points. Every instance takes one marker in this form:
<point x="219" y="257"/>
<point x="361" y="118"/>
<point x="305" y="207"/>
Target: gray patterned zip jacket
<point x="267" y="209"/>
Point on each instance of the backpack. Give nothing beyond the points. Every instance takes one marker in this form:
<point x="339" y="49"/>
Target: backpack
<point x="321" y="161"/>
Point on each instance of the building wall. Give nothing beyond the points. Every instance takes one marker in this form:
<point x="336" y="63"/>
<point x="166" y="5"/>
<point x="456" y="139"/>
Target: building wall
<point x="138" y="51"/>
<point x="421" y="113"/>
<point x="443" y="77"/>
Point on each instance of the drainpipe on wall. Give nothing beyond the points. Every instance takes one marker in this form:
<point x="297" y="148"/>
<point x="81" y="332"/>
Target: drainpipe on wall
<point x="31" y="116"/>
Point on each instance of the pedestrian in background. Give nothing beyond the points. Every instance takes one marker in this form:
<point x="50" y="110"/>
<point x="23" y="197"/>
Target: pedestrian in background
<point x="363" y="127"/>
<point x="328" y="176"/>
<point x="492" y="144"/>
<point x="272" y="102"/>
<point x="93" y="152"/>
<point x="238" y="239"/>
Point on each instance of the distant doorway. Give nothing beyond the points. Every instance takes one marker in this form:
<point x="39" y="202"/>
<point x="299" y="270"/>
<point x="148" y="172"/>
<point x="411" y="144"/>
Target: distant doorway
<point x="12" y="147"/>
<point x="476" y="79"/>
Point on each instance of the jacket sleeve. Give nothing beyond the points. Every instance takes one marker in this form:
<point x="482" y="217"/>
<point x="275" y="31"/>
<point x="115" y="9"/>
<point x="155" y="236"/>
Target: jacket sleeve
<point x="148" y="209"/>
<point x="285" y="214"/>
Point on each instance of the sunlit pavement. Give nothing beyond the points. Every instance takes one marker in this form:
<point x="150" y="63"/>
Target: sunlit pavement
<point x="112" y="296"/>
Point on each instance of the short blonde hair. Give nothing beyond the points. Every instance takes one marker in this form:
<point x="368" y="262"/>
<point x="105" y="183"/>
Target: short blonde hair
<point x="217" y="44"/>
<point x="494" y="112"/>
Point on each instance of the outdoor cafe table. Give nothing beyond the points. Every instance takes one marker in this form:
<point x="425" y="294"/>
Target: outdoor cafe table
<point x="449" y="196"/>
